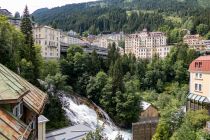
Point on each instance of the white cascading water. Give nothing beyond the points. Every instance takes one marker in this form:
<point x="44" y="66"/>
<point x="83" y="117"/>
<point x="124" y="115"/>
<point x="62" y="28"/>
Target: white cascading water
<point x="80" y="113"/>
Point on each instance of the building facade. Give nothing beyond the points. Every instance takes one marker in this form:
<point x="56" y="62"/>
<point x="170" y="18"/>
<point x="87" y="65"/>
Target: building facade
<point x="21" y="103"/>
<point x="49" y="39"/>
<point x="146" y="44"/>
<point x="199" y="94"/>
<point x="104" y="40"/>
<point x="196" y="42"/>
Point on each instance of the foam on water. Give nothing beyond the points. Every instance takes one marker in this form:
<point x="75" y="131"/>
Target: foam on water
<point x="83" y="114"/>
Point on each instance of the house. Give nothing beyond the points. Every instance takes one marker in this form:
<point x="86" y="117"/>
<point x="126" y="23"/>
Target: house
<point x="199" y="94"/>
<point x="21" y="103"/>
<point x="76" y="132"/>
<point x="148" y="110"/>
<point x="145" y="128"/>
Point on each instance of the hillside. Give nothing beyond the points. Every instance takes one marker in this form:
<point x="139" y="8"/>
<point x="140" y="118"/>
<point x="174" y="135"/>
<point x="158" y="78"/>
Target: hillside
<point x="118" y="15"/>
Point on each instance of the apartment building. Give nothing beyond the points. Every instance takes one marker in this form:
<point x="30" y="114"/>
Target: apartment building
<point x="21" y="105"/>
<point x="146" y="44"/>
<point x="196" y="42"/>
<point x="199" y="94"/>
<point x="49" y="39"/>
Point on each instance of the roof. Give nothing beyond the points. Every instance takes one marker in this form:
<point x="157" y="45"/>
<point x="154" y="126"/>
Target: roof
<point x="145" y="105"/>
<point x="10" y="87"/>
<point x="42" y="119"/>
<point x="76" y="132"/>
<point x="13" y="88"/>
<point x="11" y="128"/>
<point x="204" y="65"/>
<point x="198" y="98"/>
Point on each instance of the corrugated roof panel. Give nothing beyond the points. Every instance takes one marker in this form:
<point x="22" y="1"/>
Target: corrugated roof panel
<point x="12" y="128"/>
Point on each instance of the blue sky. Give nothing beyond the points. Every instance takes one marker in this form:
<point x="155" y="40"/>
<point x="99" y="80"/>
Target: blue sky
<point x="18" y="5"/>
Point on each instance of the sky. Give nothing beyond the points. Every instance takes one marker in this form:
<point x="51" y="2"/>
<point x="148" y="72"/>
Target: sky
<point x="18" y="5"/>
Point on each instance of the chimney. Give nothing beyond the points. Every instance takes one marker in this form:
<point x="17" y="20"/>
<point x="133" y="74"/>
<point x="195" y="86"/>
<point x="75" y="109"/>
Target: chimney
<point x="42" y="120"/>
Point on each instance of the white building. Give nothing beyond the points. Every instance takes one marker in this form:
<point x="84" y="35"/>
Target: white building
<point x="146" y="44"/>
<point x="49" y="39"/>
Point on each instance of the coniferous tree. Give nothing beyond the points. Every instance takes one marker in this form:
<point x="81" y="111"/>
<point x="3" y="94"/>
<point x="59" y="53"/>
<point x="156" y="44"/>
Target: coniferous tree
<point x="29" y="51"/>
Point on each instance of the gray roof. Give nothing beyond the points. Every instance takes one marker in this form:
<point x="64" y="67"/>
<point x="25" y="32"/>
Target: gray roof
<point x="76" y="132"/>
<point x="42" y="119"/>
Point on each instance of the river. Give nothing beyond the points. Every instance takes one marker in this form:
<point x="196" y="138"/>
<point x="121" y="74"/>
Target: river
<point x="80" y="113"/>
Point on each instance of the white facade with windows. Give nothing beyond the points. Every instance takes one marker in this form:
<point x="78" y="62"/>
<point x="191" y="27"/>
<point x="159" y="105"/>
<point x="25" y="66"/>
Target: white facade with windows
<point x="147" y="44"/>
<point x="49" y="39"/>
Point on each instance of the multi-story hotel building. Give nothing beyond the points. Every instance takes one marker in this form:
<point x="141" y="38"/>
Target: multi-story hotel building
<point x="49" y="39"/>
<point x="146" y="44"/>
<point x="199" y="96"/>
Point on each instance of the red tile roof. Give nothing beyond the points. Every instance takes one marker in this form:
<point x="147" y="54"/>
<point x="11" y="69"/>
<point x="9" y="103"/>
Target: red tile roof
<point x="201" y="64"/>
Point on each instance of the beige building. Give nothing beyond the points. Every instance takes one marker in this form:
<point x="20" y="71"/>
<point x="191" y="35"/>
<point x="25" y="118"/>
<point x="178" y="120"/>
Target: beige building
<point x="196" y="42"/>
<point x="104" y="40"/>
<point x="49" y="39"/>
<point x="199" y="96"/>
<point x="146" y="44"/>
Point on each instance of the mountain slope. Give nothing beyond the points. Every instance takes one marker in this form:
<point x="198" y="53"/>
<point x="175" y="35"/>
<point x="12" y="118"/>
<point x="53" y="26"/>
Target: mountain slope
<point x="112" y="15"/>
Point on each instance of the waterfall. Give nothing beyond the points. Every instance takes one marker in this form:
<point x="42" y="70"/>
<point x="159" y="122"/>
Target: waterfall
<point x="79" y="112"/>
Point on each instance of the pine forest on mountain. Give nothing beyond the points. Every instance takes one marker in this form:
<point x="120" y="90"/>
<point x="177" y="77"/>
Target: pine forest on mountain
<point x="170" y="16"/>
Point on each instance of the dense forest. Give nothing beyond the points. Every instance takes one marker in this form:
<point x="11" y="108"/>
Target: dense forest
<point x="170" y="16"/>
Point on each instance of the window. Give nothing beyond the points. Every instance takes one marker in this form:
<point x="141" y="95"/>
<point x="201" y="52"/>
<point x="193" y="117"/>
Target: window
<point x="18" y="110"/>
<point x="198" y="64"/>
<point x="198" y="87"/>
<point x="198" y="75"/>
<point x="33" y="124"/>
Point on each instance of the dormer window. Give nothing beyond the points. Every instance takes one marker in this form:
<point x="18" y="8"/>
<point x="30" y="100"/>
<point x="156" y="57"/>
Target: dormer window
<point x="198" y="64"/>
<point x="18" y="110"/>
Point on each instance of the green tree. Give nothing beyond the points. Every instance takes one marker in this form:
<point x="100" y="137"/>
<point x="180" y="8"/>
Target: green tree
<point x="50" y="67"/>
<point x="95" y="86"/>
<point x="55" y="87"/>
<point x="17" y="15"/>
<point x="202" y="29"/>
<point x="96" y="135"/>
<point x="192" y="125"/>
<point x="11" y="41"/>
<point x="29" y="52"/>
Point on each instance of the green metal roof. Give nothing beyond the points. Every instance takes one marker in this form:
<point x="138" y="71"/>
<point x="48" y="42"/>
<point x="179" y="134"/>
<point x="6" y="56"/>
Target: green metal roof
<point x="10" y="86"/>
